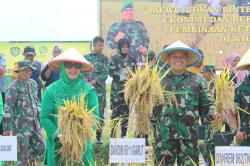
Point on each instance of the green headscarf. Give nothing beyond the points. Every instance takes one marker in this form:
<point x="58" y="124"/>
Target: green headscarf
<point x="66" y="88"/>
<point x="66" y="79"/>
<point x="127" y="4"/>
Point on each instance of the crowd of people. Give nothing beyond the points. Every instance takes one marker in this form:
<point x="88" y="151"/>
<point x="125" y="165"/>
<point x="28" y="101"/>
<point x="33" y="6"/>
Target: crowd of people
<point x="30" y="104"/>
<point x="68" y="74"/>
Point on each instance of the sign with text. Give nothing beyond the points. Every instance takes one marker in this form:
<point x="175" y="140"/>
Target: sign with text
<point x="217" y="27"/>
<point x="8" y="148"/>
<point x="127" y="150"/>
<point x="232" y="155"/>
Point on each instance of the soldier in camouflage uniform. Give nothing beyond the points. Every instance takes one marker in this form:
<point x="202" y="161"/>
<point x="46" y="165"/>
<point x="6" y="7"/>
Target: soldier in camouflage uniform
<point x="134" y="31"/>
<point x="242" y="100"/>
<point x="208" y="72"/>
<point x="119" y="71"/>
<point x="21" y="114"/>
<point x="29" y="53"/>
<point x="176" y="125"/>
<point x="98" y="77"/>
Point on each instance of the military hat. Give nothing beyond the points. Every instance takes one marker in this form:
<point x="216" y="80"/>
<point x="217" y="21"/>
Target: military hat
<point x="23" y="64"/>
<point x="194" y="57"/>
<point x="127" y="4"/>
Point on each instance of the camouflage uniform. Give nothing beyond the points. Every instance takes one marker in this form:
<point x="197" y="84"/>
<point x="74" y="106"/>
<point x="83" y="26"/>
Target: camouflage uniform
<point x="176" y="127"/>
<point x="21" y="114"/>
<point x="100" y="74"/>
<point x="242" y="100"/>
<point x="135" y="33"/>
<point x="117" y="103"/>
<point x="35" y="76"/>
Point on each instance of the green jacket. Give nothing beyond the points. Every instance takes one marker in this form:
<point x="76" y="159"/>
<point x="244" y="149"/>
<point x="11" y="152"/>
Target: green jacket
<point x="53" y="97"/>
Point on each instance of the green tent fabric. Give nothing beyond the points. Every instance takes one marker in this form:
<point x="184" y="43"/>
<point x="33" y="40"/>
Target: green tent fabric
<point x="127" y="4"/>
<point x="53" y="97"/>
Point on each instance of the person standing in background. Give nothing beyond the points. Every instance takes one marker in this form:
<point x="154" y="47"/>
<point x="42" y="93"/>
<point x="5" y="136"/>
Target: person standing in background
<point x="29" y="53"/>
<point x="48" y="74"/>
<point x="231" y="62"/>
<point x="97" y="78"/>
<point x="119" y="70"/>
<point x="21" y="116"/>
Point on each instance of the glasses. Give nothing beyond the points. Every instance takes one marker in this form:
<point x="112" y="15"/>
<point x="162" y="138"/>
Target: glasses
<point x="70" y="65"/>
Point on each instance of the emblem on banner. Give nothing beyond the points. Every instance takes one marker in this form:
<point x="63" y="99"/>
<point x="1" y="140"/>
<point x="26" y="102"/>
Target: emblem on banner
<point x="15" y="51"/>
<point x="43" y="50"/>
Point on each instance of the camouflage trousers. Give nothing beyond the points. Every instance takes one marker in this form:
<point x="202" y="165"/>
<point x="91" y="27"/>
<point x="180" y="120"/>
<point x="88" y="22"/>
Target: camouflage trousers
<point x="184" y="151"/>
<point x="30" y="145"/>
<point x="102" y="105"/>
<point x="120" y="112"/>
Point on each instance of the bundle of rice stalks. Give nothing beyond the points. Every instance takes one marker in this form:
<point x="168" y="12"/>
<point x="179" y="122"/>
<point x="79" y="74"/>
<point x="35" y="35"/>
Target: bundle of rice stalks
<point x="76" y="124"/>
<point x="143" y="91"/>
<point x="224" y="96"/>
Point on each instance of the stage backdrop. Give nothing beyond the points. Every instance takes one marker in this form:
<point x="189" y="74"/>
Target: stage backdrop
<point x="217" y="38"/>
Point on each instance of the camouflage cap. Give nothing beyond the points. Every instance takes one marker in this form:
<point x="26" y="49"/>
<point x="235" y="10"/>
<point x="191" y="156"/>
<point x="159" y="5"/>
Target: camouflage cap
<point x="209" y="68"/>
<point x="127" y="4"/>
<point x="23" y="64"/>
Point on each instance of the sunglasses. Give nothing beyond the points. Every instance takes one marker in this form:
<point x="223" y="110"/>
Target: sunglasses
<point x="70" y="65"/>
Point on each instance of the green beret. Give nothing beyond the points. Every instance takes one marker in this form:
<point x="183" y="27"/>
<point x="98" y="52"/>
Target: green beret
<point x="209" y="68"/>
<point x="127" y="4"/>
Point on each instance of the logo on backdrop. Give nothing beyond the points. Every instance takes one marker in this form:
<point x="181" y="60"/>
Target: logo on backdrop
<point x="43" y="50"/>
<point x="15" y="51"/>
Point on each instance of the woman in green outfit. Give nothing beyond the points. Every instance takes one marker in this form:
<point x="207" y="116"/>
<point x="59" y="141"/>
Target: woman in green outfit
<point x="71" y="64"/>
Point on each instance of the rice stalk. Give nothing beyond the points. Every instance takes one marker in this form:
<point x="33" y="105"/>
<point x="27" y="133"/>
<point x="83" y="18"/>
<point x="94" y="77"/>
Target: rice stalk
<point x="77" y="125"/>
<point x="224" y="100"/>
<point x="142" y="92"/>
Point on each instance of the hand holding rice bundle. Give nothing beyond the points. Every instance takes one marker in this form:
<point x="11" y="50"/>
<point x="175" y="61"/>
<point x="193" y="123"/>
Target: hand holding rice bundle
<point x="143" y="91"/>
<point x="76" y="124"/>
<point x="224" y="100"/>
<point x="69" y="112"/>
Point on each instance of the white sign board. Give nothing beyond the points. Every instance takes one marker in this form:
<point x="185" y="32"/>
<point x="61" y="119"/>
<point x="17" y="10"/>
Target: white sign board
<point x="49" y="20"/>
<point x="232" y="155"/>
<point x="8" y="148"/>
<point x="127" y="150"/>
